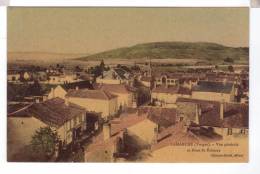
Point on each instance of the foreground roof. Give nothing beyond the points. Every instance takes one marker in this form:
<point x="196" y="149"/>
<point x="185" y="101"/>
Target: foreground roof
<point x="53" y="112"/>
<point x="235" y="115"/>
<point x="164" y="117"/>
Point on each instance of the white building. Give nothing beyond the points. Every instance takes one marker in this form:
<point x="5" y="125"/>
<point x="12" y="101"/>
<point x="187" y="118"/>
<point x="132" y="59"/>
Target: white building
<point x="69" y="120"/>
<point x="215" y="91"/>
<point x="123" y="92"/>
<point x="98" y="101"/>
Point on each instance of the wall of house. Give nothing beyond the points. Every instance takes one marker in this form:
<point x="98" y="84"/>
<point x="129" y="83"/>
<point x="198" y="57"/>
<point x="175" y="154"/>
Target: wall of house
<point x="62" y="79"/>
<point x="26" y="76"/>
<point x="125" y="100"/>
<point x="113" y="106"/>
<point x="212" y="96"/>
<point x="13" y="77"/>
<point x="57" y="92"/>
<point x="20" y="131"/>
<point x="145" y="130"/>
<point x="165" y="97"/>
<point x="108" y="81"/>
<point x="147" y="84"/>
<point x="106" y="107"/>
<point x="66" y="131"/>
<point x="168" y="81"/>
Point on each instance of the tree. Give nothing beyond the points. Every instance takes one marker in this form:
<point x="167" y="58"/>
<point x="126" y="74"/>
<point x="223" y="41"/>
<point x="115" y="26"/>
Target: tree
<point x="78" y="69"/>
<point x="44" y="142"/>
<point x="230" y="68"/>
<point x="34" y="89"/>
<point x="229" y="60"/>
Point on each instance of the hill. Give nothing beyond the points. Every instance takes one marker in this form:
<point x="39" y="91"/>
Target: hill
<point x="174" y="50"/>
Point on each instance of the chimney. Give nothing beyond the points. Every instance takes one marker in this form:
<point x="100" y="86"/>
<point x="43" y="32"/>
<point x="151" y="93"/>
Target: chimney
<point x="198" y="113"/>
<point x="221" y="112"/>
<point x="155" y="138"/>
<point x="106" y="131"/>
<point x="77" y="88"/>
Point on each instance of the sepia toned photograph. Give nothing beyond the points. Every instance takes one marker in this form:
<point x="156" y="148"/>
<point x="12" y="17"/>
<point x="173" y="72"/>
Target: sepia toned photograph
<point x="127" y="85"/>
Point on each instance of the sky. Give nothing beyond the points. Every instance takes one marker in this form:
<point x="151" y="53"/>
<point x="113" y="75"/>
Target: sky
<point x="92" y="30"/>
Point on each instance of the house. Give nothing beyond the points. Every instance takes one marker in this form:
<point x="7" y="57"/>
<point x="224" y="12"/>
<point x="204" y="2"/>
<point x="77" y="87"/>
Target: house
<point x="122" y="138"/>
<point x="167" y="95"/>
<point x="13" y="77"/>
<point x="61" y="90"/>
<point x="167" y="79"/>
<point x="26" y="75"/>
<point x="114" y="76"/>
<point x="222" y="118"/>
<point x="137" y="125"/>
<point x="215" y="91"/>
<point x="56" y="79"/>
<point x="68" y="119"/>
<point x="99" y="101"/>
<point x="126" y="96"/>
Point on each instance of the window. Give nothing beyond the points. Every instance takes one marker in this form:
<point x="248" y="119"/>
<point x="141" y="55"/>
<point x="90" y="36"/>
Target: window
<point x="243" y="131"/>
<point x="229" y="131"/>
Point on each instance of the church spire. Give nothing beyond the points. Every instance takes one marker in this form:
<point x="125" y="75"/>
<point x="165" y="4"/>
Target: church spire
<point x="150" y="67"/>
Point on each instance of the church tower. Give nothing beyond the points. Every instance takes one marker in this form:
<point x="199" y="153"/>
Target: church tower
<point x="150" y="68"/>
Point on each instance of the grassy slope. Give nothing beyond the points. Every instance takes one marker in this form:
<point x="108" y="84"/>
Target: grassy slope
<point x="176" y="50"/>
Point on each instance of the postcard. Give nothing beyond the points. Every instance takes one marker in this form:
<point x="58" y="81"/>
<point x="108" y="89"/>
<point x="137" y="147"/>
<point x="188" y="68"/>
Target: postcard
<point x="95" y="84"/>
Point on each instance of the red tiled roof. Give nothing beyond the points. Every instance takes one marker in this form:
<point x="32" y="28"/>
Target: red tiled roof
<point x="53" y="112"/>
<point x="125" y="121"/>
<point x="164" y="117"/>
<point x="235" y="114"/>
